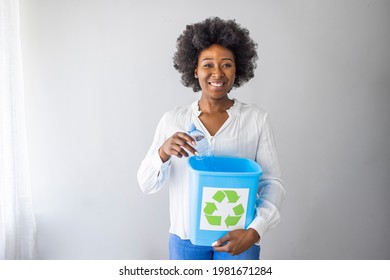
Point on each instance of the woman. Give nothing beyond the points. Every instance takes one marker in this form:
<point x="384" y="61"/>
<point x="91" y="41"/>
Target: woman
<point x="214" y="56"/>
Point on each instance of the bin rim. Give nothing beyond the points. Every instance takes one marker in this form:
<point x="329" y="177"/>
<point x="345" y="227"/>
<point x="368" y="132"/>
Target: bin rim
<point x="227" y="174"/>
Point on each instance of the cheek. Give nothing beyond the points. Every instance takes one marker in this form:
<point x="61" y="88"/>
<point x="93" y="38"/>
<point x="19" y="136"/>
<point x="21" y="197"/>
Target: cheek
<point x="232" y="76"/>
<point x="233" y="73"/>
<point x="202" y="77"/>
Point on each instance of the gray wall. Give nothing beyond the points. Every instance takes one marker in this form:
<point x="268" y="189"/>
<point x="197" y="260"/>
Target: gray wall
<point x="99" y="75"/>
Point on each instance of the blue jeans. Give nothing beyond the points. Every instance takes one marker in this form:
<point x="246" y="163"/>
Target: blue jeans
<point x="183" y="249"/>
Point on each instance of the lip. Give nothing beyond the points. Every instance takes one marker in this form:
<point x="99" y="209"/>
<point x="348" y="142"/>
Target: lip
<point x="217" y="83"/>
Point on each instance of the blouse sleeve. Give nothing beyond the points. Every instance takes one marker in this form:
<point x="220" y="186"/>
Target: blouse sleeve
<point x="271" y="191"/>
<point x="153" y="173"/>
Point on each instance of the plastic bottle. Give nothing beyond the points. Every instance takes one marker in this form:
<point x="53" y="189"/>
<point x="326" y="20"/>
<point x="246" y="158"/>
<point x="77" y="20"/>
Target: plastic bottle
<point x="202" y="145"/>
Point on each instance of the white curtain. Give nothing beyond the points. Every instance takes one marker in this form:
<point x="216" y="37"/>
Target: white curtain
<point x="17" y="222"/>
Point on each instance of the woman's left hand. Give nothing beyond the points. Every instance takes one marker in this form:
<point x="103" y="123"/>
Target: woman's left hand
<point x="237" y="241"/>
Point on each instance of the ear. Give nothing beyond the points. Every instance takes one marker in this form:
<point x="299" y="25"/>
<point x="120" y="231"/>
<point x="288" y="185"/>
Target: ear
<point x="196" y="74"/>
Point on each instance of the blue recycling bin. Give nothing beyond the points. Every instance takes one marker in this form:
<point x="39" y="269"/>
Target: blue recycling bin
<point x="222" y="196"/>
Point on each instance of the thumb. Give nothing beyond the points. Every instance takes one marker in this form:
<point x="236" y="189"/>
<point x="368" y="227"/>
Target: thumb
<point x="221" y="241"/>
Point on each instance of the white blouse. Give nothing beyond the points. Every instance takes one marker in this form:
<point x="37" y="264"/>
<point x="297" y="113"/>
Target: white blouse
<point x="246" y="133"/>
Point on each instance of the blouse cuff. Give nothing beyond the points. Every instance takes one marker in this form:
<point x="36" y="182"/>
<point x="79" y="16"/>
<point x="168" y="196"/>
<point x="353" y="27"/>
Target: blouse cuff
<point x="259" y="225"/>
<point x="158" y="164"/>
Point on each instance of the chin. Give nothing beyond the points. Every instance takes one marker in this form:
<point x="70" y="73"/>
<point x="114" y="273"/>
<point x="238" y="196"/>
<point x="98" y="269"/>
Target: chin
<point x="219" y="96"/>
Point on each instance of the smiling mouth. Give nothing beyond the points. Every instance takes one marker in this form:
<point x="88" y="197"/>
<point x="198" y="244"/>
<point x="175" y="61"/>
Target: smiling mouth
<point x="217" y="84"/>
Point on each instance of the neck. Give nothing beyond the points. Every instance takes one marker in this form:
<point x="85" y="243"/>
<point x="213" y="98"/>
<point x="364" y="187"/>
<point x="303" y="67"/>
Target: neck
<point x="208" y="105"/>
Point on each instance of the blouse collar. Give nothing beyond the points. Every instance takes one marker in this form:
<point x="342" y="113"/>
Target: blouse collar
<point x="233" y="110"/>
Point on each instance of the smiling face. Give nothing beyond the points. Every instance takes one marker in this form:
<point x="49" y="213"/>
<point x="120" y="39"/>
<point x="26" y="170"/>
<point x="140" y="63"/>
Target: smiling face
<point x="216" y="71"/>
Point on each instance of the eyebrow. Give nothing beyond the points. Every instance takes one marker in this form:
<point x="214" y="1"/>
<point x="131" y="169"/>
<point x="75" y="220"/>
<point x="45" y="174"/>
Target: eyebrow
<point x="208" y="58"/>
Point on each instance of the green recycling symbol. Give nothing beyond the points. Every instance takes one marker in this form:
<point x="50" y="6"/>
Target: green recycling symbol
<point x="219" y="197"/>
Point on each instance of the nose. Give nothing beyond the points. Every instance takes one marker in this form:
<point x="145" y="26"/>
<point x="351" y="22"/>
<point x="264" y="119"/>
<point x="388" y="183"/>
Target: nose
<point x="218" y="72"/>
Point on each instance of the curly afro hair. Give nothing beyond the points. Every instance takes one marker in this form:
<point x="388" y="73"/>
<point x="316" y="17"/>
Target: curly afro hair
<point x="227" y="33"/>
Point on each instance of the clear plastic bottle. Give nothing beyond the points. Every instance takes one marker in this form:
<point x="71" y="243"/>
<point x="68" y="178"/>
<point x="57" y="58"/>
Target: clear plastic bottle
<point x="202" y="144"/>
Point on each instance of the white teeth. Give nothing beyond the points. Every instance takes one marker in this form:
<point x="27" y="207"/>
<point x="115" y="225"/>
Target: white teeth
<point x="217" y="84"/>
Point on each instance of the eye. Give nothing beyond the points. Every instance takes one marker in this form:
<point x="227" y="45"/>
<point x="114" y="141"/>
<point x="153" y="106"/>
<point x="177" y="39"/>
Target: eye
<point x="227" y="65"/>
<point x="208" y="65"/>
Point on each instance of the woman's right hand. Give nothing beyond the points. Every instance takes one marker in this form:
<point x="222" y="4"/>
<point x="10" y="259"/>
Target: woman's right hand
<point x="176" y="145"/>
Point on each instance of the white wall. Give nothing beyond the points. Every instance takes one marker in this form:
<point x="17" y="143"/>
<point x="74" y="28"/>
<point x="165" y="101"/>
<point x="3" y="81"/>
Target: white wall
<point x="99" y="75"/>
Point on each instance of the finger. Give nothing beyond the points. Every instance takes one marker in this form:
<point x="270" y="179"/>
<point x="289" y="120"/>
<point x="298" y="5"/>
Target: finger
<point x="173" y="152"/>
<point x="224" y="248"/>
<point x="179" y="141"/>
<point x="179" y="145"/>
<point x="190" y="148"/>
<point x="183" y="152"/>
<point x="182" y="143"/>
<point x="179" y="151"/>
<point x="186" y="138"/>
<point x="221" y="241"/>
